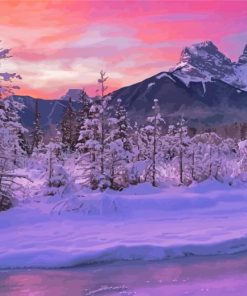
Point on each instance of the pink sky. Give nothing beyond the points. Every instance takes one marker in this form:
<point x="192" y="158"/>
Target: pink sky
<point x="58" y="45"/>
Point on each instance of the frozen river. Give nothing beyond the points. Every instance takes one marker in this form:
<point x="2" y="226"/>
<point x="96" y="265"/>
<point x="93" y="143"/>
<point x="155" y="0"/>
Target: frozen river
<point x="193" y="276"/>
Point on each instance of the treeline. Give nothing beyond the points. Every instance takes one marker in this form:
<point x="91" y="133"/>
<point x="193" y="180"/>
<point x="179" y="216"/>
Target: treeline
<point x="99" y="142"/>
<point x="116" y="153"/>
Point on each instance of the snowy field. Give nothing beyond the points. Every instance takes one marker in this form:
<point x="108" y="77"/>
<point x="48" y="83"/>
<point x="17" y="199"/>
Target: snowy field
<point x="139" y="223"/>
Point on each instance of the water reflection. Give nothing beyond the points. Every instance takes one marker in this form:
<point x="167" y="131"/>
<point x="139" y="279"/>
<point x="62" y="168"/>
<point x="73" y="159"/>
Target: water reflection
<point x="214" y="276"/>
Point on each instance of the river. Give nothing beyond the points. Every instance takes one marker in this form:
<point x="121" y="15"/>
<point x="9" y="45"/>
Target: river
<point x="193" y="276"/>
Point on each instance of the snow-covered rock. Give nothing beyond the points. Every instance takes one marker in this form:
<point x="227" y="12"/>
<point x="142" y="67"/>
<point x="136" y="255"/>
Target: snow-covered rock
<point x="73" y="94"/>
<point x="203" y="62"/>
<point x="243" y="57"/>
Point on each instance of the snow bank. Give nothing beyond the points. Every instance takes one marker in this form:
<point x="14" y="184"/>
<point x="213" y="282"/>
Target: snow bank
<point x="54" y="258"/>
<point x="140" y="223"/>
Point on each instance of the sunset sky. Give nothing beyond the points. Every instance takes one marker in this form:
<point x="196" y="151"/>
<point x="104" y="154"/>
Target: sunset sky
<point x="58" y="45"/>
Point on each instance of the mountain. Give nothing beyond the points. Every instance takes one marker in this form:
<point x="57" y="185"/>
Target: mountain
<point x="74" y="94"/>
<point x="201" y="102"/>
<point x="205" y="86"/>
<point x="203" y="61"/>
<point x="51" y="111"/>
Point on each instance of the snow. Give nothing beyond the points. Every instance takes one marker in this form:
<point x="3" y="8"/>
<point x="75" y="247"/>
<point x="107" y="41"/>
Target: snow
<point x="190" y="74"/>
<point x="151" y="84"/>
<point x="203" y="61"/>
<point x="204" y="87"/>
<point x="139" y="223"/>
<point x="165" y="75"/>
<point x="242" y="145"/>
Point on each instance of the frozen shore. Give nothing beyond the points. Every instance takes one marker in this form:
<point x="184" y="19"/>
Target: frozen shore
<point x="140" y="223"/>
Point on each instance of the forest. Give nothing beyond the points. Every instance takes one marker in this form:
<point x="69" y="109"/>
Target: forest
<point x="98" y="147"/>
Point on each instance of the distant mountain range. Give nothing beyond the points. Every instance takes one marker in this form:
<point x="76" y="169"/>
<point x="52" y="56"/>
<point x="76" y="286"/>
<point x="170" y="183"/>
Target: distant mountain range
<point x="205" y="86"/>
<point x="51" y="111"/>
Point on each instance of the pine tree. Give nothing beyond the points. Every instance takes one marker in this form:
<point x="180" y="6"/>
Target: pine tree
<point x="24" y="144"/>
<point x="11" y="153"/>
<point x="208" y="155"/>
<point x="82" y="116"/>
<point x="56" y="174"/>
<point x="122" y="126"/>
<point x="177" y="148"/>
<point x="118" y="148"/>
<point x="69" y="128"/>
<point x="153" y="134"/>
<point x="37" y="133"/>
<point x="89" y="144"/>
<point x="103" y="109"/>
<point x="94" y="137"/>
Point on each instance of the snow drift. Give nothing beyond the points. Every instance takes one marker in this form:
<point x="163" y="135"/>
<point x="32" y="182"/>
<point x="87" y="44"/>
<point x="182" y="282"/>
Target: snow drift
<point x="139" y="223"/>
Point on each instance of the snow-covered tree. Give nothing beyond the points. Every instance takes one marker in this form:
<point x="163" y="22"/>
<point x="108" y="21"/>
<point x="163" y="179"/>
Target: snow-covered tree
<point x="118" y="150"/>
<point x="176" y="149"/>
<point x="153" y="136"/>
<point x="242" y="145"/>
<point x="213" y="156"/>
<point x="10" y="129"/>
<point x="56" y="174"/>
<point x="103" y="125"/>
<point x="6" y="79"/>
<point x="123" y="127"/>
<point x="90" y="142"/>
<point x="83" y="115"/>
<point x="11" y="152"/>
<point x="97" y="131"/>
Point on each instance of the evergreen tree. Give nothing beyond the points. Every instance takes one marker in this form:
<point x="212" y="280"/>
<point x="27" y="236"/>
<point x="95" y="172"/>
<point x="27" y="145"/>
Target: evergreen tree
<point x="177" y="148"/>
<point x="103" y="110"/>
<point x="69" y="128"/>
<point x="37" y="133"/>
<point x="118" y="148"/>
<point x="82" y="116"/>
<point x="94" y="137"/>
<point x="153" y="137"/>
<point x="11" y="153"/>
<point x="122" y="126"/>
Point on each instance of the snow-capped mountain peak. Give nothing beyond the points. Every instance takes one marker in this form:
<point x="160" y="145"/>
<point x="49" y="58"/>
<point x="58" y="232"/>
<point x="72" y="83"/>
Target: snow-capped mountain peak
<point x="203" y="61"/>
<point x="203" y="50"/>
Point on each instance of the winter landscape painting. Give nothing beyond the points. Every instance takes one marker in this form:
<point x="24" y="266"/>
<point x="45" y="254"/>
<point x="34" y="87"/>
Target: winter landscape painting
<point x="123" y="148"/>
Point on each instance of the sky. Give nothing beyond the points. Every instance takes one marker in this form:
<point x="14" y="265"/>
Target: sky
<point x="57" y="45"/>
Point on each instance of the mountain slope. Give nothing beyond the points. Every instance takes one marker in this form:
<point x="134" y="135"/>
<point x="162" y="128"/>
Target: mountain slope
<point x="205" y="86"/>
<point x="206" y="102"/>
<point x="51" y="111"/>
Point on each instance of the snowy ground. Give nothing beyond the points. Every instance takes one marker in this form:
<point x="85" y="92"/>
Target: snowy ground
<point x="140" y="223"/>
